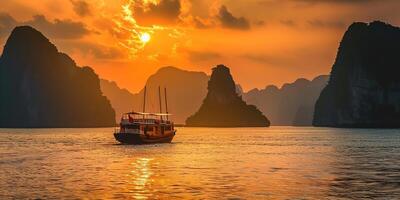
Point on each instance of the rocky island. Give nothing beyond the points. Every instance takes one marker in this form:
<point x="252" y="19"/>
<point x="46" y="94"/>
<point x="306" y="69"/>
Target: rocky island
<point x="41" y="87"/>
<point x="223" y="107"/>
<point x="364" y="86"/>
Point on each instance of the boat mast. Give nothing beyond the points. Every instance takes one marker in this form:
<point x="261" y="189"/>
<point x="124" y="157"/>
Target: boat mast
<point x="159" y="100"/>
<point x="144" y="100"/>
<point x="166" y="104"/>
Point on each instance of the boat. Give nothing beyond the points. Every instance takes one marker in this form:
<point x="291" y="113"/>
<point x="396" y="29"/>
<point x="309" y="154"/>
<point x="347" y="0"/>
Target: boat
<point x="146" y="128"/>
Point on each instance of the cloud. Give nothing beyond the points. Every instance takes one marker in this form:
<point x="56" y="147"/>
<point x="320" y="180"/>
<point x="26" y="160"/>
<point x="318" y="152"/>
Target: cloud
<point x="326" y="24"/>
<point x="229" y="21"/>
<point x="201" y="24"/>
<point x="81" y="8"/>
<point x="260" y="23"/>
<point x="65" y="29"/>
<point x="100" y="52"/>
<point x="165" y="12"/>
<point x="289" y="23"/>
<point x="198" y="56"/>
<point x="58" y="29"/>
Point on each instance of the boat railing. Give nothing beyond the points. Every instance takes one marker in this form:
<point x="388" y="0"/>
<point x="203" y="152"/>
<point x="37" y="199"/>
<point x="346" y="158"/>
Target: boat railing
<point x="145" y="121"/>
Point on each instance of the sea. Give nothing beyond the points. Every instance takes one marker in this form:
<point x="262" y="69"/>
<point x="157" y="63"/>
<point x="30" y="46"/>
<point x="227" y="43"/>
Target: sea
<point x="202" y="163"/>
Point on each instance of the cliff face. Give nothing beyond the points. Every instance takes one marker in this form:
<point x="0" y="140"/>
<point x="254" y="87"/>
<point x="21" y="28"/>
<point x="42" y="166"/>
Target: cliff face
<point x="290" y="105"/>
<point x="41" y="87"/>
<point x="364" y="88"/>
<point x="186" y="90"/>
<point x="222" y="106"/>
<point x="121" y="99"/>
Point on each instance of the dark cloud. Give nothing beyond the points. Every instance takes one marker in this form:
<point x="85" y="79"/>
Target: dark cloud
<point x="96" y="50"/>
<point x="59" y="29"/>
<point x="7" y="23"/>
<point x="65" y="29"/>
<point x="101" y="52"/>
<point x="81" y="8"/>
<point x="260" y="23"/>
<point x="105" y="52"/>
<point x="229" y="21"/>
<point x="290" y="23"/>
<point x="198" y="56"/>
<point x="198" y="23"/>
<point x="165" y="12"/>
<point x="326" y="24"/>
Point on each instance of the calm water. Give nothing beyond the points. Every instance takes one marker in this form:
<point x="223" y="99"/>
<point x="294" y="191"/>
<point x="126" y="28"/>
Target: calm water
<point x="242" y="163"/>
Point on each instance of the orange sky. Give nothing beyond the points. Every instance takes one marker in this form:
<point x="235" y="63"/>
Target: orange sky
<point x="262" y="41"/>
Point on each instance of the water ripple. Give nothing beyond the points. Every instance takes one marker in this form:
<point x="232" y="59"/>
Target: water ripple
<point x="202" y="163"/>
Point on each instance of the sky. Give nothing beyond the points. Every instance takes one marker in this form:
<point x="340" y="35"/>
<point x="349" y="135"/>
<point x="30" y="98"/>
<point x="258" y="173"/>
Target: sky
<point x="263" y="42"/>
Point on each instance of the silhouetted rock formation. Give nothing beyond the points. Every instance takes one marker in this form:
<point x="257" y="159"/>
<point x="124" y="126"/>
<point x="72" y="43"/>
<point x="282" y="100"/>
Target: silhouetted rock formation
<point x="121" y="99"/>
<point x="222" y="106"/>
<point x="40" y="87"/>
<point x="304" y="115"/>
<point x="186" y="91"/>
<point x="291" y="105"/>
<point x="364" y="88"/>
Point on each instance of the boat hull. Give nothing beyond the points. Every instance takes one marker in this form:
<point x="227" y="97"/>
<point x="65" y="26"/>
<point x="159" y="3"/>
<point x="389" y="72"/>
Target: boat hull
<point x="129" y="138"/>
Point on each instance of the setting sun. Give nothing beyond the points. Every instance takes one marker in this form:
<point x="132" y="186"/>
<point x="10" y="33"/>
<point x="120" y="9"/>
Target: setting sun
<point x="145" y="37"/>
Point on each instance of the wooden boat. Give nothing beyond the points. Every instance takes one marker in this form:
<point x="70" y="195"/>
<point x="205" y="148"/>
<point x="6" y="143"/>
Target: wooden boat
<point x="146" y="128"/>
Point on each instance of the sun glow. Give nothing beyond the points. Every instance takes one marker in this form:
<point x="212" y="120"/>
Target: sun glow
<point x="135" y="36"/>
<point x="145" y="38"/>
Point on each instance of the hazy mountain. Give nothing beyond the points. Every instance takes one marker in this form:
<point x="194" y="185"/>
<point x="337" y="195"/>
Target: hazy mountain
<point x="121" y="99"/>
<point x="364" y="88"/>
<point x="41" y="87"/>
<point x="223" y="107"/>
<point x="293" y="104"/>
<point x="185" y="91"/>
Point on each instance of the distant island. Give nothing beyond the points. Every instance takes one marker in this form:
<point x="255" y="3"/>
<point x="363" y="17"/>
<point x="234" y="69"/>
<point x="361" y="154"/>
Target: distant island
<point x="186" y="91"/>
<point x="364" y="87"/>
<point x="41" y="87"/>
<point x="290" y="105"/>
<point x="223" y="107"/>
<point x="121" y="99"/>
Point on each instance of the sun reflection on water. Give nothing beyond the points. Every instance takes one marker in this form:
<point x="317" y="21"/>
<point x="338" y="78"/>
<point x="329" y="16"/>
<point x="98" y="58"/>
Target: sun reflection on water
<point x="141" y="178"/>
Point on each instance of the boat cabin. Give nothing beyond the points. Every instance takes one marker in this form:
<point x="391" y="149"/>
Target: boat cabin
<point x="148" y="124"/>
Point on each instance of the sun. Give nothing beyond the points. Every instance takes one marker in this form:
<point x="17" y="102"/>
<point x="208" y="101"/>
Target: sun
<point x="145" y="37"/>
